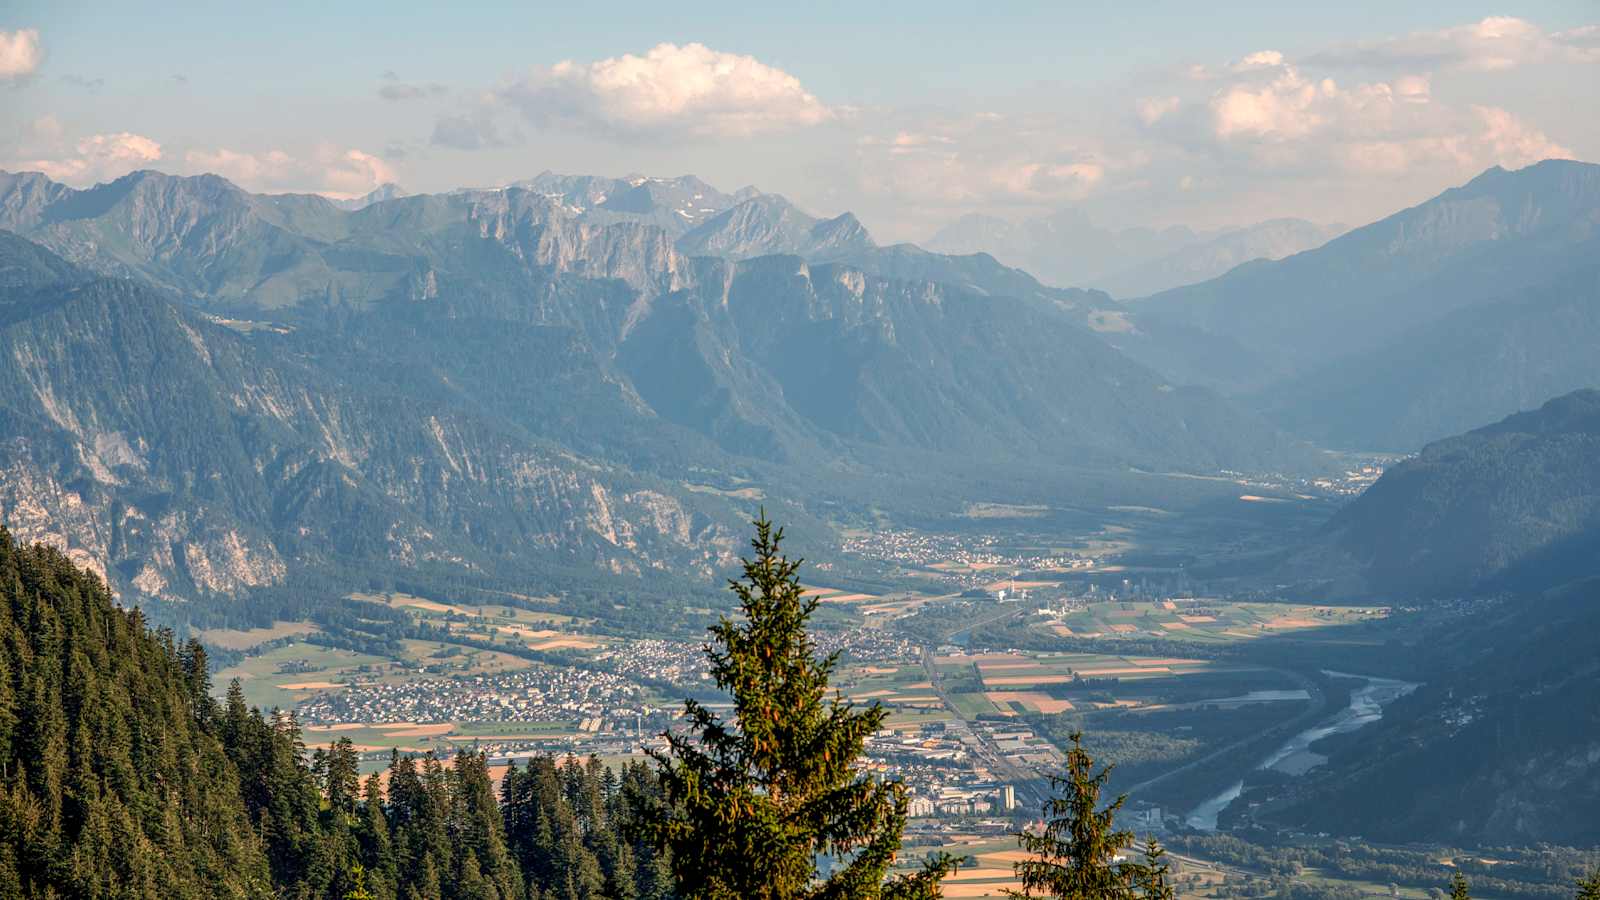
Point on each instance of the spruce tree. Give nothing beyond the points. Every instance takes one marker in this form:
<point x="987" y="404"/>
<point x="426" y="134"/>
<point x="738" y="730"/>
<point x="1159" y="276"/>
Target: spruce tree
<point x="1589" y="888"/>
<point x="1458" y="887"/>
<point x="1075" y="856"/>
<point x="752" y="803"/>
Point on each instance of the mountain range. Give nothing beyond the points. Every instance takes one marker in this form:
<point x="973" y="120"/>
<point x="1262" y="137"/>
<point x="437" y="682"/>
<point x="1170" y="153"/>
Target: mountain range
<point x="653" y="352"/>
<point x="541" y="376"/>
<point x="1458" y="311"/>
<point x="1502" y="233"/>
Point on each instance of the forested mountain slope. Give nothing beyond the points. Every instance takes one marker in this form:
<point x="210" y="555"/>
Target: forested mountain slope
<point x="1500" y="747"/>
<point x="112" y="785"/>
<point x="1510" y="506"/>
<point x="1499" y="234"/>
<point x="1444" y="377"/>
<point x="121" y="776"/>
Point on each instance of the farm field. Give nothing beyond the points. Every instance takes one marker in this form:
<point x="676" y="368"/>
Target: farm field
<point x="282" y="675"/>
<point x="1193" y="876"/>
<point x="992" y="875"/>
<point x="1204" y="621"/>
<point x="534" y="629"/>
<point x="244" y="639"/>
<point x="1020" y="684"/>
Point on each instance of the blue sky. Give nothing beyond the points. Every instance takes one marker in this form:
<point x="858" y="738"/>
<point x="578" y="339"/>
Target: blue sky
<point x="909" y="114"/>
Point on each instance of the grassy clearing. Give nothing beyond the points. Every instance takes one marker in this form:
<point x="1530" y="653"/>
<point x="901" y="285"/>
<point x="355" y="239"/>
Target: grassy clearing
<point x="237" y="639"/>
<point x="279" y="677"/>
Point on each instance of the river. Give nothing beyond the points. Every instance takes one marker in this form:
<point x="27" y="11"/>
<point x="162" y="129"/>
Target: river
<point x="1295" y="756"/>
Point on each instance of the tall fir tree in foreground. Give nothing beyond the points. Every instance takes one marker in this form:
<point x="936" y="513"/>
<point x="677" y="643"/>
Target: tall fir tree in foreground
<point x="1458" y="887"/>
<point x="1075" y="856"/>
<point x="750" y="805"/>
<point x="1589" y="888"/>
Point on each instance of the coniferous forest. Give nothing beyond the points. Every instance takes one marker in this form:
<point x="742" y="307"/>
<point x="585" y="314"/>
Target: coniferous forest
<point x="124" y="777"/>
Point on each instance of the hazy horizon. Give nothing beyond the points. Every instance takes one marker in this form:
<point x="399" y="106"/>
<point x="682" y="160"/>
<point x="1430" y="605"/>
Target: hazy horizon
<point x="908" y="117"/>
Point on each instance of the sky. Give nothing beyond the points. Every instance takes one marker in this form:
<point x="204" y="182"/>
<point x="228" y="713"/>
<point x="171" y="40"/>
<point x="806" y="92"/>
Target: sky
<point x="908" y="114"/>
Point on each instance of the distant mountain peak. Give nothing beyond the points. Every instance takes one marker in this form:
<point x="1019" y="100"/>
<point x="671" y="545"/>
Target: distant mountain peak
<point x="383" y="192"/>
<point x="767" y="224"/>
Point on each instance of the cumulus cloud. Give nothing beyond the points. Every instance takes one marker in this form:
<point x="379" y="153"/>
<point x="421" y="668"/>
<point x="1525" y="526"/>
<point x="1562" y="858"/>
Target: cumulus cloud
<point x="20" y="53"/>
<point x="1491" y="44"/>
<point x="961" y="161"/>
<point x="330" y="171"/>
<point x="1513" y="142"/>
<point x="689" y="91"/>
<point x="1286" y="106"/>
<point x="1153" y="109"/>
<point x="1269" y="112"/>
<point x="95" y="158"/>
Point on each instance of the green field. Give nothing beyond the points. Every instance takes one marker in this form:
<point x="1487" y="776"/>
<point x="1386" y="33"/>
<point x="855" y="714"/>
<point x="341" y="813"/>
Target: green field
<point x="1204" y="621"/>
<point x="268" y="679"/>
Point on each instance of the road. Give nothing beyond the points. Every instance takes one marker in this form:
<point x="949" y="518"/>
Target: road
<point x="1030" y="787"/>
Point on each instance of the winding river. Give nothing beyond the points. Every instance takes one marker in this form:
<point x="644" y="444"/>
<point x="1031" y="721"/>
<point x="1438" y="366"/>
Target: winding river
<point x="1295" y="756"/>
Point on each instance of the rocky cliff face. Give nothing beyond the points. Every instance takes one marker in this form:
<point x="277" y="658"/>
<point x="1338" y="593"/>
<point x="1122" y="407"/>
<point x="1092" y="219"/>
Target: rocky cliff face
<point x="768" y="224"/>
<point x="179" y="457"/>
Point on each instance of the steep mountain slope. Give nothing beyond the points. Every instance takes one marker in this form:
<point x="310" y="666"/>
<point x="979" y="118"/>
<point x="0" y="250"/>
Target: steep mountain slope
<point x="1471" y="366"/>
<point x="1498" y="234"/>
<point x="1500" y="747"/>
<point x="769" y="224"/>
<point x="24" y="197"/>
<point x="776" y="343"/>
<point x="114" y="785"/>
<point x="1511" y="506"/>
<point x="181" y="458"/>
<point x="535" y="255"/>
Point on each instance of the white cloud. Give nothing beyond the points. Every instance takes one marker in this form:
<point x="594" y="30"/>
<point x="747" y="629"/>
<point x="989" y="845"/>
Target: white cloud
<point x="95" y="158"/>
<point x="20" y="53"/>
<point x="688" y="91"/>
<point x="1465" y="143"/>
<point x="329" y="171"/>
<point x="1259" y="59"/>
<point x="1413" y="88"/>
<point x="1492" y="44"/>
<point x="1278" y="117"/>
<point x="241" y="168"/>
<point x="1154" y="109"/>
<point x="932" y="167"/>
<point x="1287" y="106"/>
<point x="1512" y="142"/>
